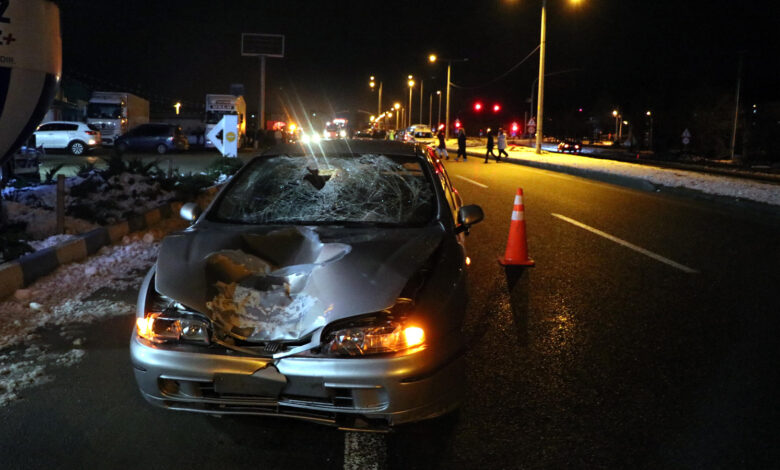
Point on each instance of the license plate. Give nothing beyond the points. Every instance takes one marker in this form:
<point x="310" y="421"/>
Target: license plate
<point x="266" y="382"/>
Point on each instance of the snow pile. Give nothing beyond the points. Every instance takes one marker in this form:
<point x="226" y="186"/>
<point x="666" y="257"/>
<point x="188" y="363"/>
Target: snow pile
<point x="42" y="223"/>
<point x="98" y="197"/>
<point x="25" y="368"/>
<point x="711" y="184"/>
<point x="61" y="297"/>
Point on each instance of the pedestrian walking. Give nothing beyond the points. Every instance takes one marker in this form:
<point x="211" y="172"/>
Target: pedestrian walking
<point x="461" y="144"/>
<point x="490" y="146"/>
<point x="501" y="145"/>
<point x="441" y="149"/>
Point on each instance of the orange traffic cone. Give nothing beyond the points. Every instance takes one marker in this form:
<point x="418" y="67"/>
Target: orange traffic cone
<point x="516" y="246"/>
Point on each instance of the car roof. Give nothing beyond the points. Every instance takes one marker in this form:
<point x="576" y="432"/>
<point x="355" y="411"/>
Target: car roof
<point x="63" y="122"/>
<point x="345" y="146"/>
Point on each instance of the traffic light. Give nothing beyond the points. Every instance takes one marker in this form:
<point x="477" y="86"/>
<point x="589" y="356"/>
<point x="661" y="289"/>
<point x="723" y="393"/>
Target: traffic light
<point x="496" y="108"/>
<point x="457" y="124"/>
<point x="477" y="106"/>
<point x="515" y="127"/>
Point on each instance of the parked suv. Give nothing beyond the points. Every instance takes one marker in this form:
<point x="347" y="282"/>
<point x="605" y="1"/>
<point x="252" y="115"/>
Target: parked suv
<point x="76" y="137"/>
<point x="160" y="138"/>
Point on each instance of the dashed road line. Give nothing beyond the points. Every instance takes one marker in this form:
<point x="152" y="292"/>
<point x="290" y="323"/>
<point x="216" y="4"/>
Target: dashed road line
<point x="472" y="181"/>
<point x="626" y="244"/>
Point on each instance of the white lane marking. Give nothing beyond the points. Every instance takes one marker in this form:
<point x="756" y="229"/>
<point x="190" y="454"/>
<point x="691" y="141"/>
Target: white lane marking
<point x="626" y="244"/>
<point x="471" y="181"/>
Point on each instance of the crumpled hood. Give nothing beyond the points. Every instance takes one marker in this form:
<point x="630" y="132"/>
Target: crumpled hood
<point x="274" y="283"/>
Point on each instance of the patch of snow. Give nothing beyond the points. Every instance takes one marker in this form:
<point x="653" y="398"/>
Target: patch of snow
<point x="739" y="188"/>
<point x="26" y="368"/>
<point x="42" y="223"/>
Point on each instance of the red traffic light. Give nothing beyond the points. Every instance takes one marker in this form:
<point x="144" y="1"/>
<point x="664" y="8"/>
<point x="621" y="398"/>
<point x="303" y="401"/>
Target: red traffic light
<point x="514" y="127"/>
<point x="477" y="106"/>
<point x="457" y="124"/>
<point x="496" y="108"/>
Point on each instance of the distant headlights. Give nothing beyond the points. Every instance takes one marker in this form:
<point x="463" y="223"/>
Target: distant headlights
<point x="171" y="326"/>
<point x="391" y="336"/>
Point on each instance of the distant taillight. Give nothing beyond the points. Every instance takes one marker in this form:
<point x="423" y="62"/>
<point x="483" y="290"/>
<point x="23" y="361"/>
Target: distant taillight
<point x="92" y="133"/>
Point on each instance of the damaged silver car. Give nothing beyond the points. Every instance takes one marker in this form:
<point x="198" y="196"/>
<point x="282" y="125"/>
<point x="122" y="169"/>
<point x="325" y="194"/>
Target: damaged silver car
<point x="324" y="283"/>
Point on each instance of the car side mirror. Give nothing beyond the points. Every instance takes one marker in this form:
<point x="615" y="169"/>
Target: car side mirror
<point x="468" y="216"/>
<point x="190" y="212"/>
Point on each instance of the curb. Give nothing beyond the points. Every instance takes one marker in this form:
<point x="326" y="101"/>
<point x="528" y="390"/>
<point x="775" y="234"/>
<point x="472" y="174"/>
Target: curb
<point x="25" y="270"/>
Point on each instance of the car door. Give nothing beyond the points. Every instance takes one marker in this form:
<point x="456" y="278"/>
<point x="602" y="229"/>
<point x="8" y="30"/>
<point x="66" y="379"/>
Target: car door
<point x="45" y="136"/>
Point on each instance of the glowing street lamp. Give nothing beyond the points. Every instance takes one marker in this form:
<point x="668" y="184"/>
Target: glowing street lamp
<point x="411" y="87"/>
<point x="372" y="85"/>
<point x="542" y="55"/>
<point x="433" y="59"/>
<point x="397" y="106"/>
<point x="178" y="107"/>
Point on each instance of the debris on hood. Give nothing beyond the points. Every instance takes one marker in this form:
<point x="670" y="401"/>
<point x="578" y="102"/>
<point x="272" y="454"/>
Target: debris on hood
<point x="264" y="298"/>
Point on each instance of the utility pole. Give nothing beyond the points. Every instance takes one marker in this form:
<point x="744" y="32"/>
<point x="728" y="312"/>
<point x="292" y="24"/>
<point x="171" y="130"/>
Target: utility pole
<point x="261" y="101"/>
<point x="447" y="111"/>
<point x="438" y="119"/>
<point x="540" y="104"/>
<point x="379" y="104"/>
<point x="430" y="110"/>
<point x="736" y="106"/>
<point x="422" y="83"/>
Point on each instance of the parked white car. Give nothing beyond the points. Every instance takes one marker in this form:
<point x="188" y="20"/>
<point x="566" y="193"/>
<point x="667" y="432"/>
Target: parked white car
<point x="75" y="137"/>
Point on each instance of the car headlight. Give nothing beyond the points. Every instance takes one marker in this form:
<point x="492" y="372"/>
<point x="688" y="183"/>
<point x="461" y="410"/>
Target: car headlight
<point x="171" y="325"/>
<point x="343" y="133"/>
<point x="387" y="337"/>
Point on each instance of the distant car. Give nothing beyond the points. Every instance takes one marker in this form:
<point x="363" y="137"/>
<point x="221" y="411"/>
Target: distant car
<point x="335" y="131"/>
<point x="370" y="133"/>
<point x="160" y="138"/>
<point x="419" y="133"/>
<point x="76" y="137"/>
<point x="570" y="146"/>
<point x="325" y="283"/>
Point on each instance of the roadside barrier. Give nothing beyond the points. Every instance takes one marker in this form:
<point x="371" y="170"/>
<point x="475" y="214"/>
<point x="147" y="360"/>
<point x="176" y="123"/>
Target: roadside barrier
<point x="517" y="246"/>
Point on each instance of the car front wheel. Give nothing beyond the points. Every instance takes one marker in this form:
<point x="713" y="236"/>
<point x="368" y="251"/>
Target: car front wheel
<point x="162" y="149"/>
<point x="77" y="148"/>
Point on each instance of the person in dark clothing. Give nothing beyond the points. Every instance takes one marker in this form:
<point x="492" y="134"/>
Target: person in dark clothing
<point x="442" y="147"/>
<point x="490" y="147"/>
<point x="461" y="145"/>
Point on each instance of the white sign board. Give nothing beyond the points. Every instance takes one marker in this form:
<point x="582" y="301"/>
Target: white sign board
<point x="227" y="143"/>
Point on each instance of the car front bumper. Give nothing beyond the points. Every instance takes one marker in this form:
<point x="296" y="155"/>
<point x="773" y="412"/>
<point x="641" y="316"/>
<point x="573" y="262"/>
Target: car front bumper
<point x="352" y="393"/>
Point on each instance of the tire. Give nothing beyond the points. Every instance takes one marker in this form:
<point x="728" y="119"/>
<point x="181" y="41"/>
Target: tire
<point x="162" y="149"/>
<point x="77" y="148"/>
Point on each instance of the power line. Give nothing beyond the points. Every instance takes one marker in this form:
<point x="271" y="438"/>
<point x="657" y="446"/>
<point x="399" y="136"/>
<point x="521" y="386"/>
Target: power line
<point x="512" y="69"/>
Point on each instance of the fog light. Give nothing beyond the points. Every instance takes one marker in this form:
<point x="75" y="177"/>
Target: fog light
<point x="414" y="336"/>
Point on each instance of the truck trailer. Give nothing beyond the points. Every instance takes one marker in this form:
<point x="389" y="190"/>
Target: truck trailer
<point x="114" y="113"/>
<point x="220" y="105"/>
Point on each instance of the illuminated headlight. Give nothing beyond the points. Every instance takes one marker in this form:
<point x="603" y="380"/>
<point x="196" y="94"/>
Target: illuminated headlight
<point x="576" y="146"/>
<point x="315" y="138"/>
<point x="343" y="133"/>
<point x="388" y="337"/>
<point x="164" y="328"/>
<point x="325" y="134"/>
<point x="305" y="138"/>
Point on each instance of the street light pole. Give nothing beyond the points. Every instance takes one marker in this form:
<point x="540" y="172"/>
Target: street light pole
<point x="447" y="111"/>
<point x="379" y="103"/>
<point x="540" y="101"/>
<point x="409" y="114"/>
<point x="422" y="85"/>
<point x="430" y="109"/>
<point x="438" y="119"/>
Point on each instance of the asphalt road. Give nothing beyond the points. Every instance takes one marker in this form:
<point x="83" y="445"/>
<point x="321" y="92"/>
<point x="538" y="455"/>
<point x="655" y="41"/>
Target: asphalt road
<point x="645" y="337"/>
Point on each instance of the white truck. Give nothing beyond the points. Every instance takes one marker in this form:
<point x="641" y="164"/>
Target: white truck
<point x="219" y="105"/>
<point x="114" y="113"/>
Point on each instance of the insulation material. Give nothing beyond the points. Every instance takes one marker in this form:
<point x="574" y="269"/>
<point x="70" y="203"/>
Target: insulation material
<point x="368" y="188"/>
<point x="260" y="299"/>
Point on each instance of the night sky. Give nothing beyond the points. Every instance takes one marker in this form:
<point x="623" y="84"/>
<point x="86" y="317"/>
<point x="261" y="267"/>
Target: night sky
<point x="633" y="54"/>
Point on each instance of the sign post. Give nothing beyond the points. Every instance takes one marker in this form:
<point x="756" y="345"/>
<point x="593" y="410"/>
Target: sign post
<point x="262" y="45"/>
<point x="224" y="136"/>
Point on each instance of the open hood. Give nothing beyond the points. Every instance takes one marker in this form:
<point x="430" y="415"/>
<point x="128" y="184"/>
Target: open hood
<point x="271" y="283"/>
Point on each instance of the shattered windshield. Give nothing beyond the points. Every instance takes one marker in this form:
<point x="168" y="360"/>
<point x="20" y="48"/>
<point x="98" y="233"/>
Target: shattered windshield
<point x="370" y="189"/>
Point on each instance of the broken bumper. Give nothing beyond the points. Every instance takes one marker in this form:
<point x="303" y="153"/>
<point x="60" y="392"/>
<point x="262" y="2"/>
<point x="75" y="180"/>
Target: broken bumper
<point x="351" y="393"/>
